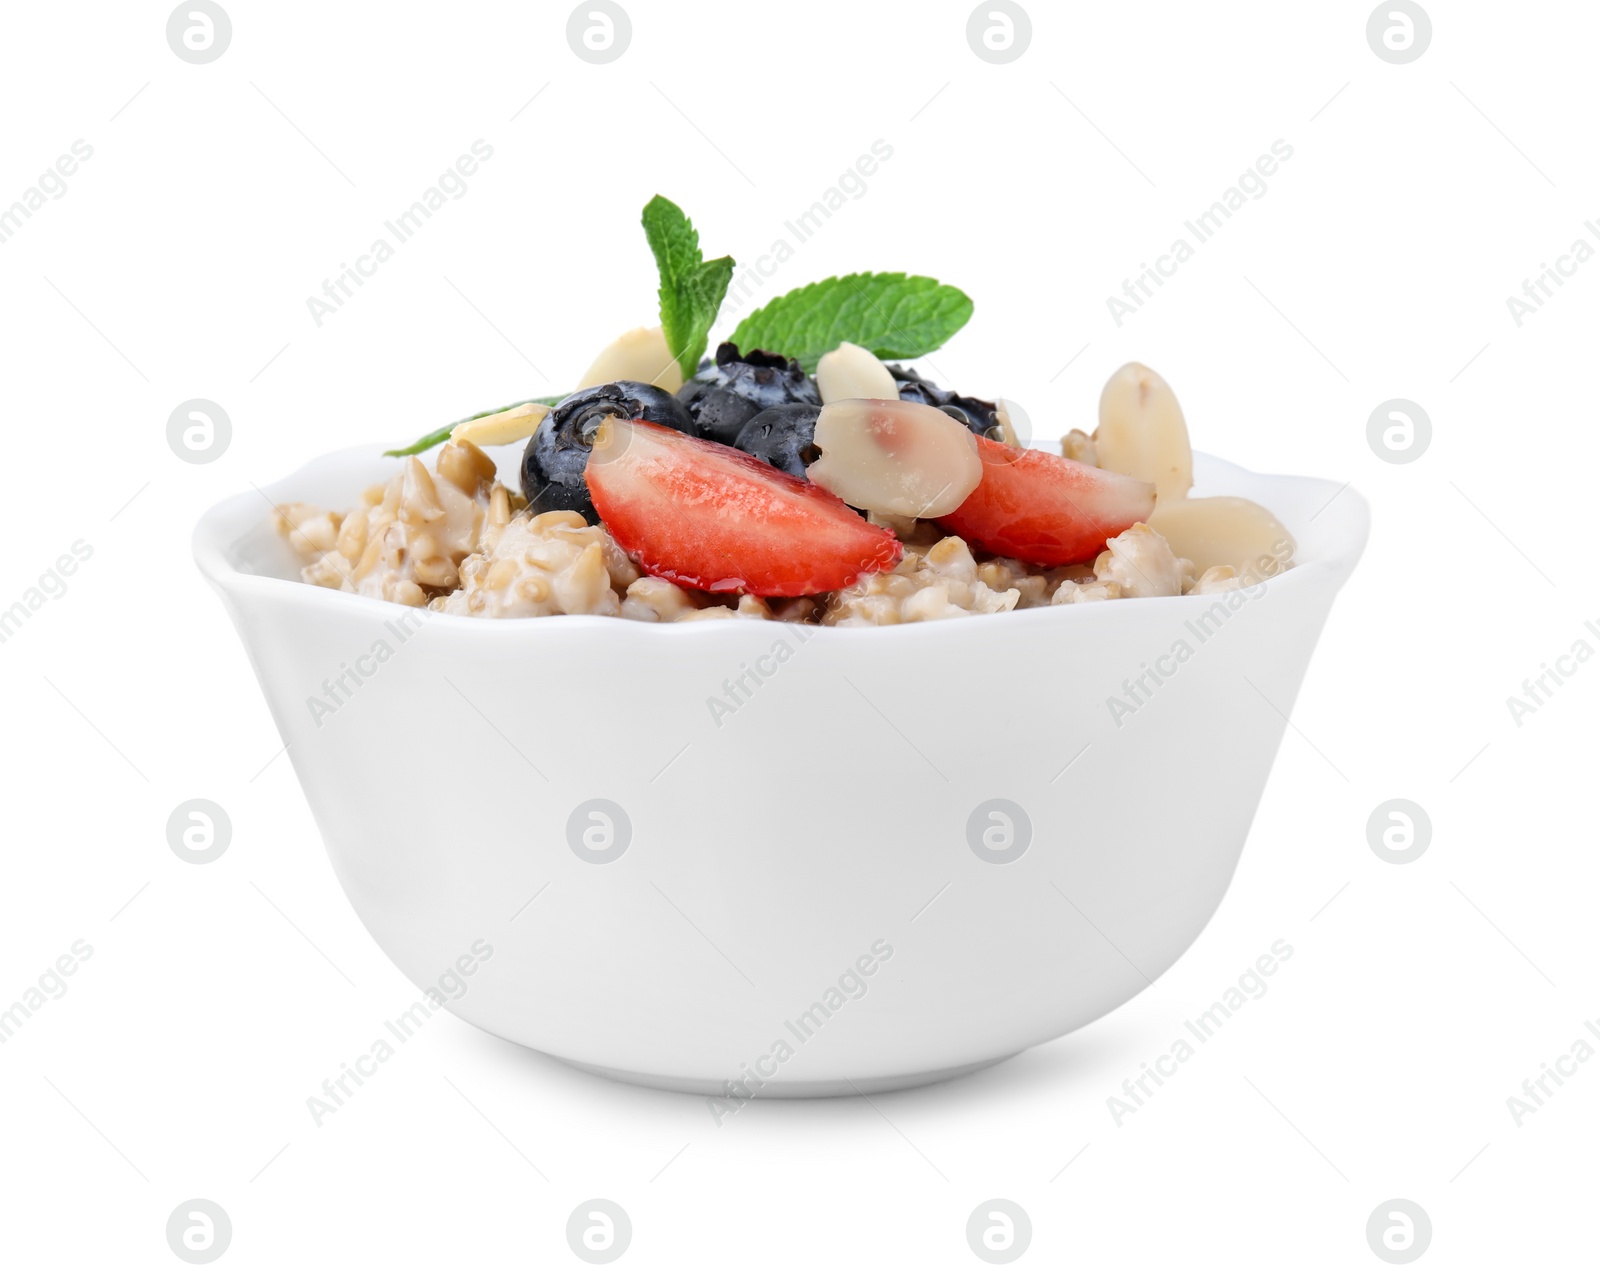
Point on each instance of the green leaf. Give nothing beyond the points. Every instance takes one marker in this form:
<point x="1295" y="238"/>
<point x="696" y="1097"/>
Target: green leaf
<point x="691" y="287"/>
<point x="436" y="437"/>
<point x="705" y="288"/>
<point x="894" y="316"/>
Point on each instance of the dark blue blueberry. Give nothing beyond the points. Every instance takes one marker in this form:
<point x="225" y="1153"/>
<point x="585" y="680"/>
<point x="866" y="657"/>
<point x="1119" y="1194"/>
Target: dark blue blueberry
<point x="728" y="392"/>
<point x="554" y="460"/>
<point x="976" y="415"/>
<point x="782" y="436"/>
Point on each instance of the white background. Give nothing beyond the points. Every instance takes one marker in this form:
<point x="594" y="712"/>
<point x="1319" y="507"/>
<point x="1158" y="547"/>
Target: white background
<point x="1377" y="265"/>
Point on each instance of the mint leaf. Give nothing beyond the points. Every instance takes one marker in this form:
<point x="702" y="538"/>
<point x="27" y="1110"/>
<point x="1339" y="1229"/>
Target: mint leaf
<point x="894" y="316"/>
<point x="436" y="437"/>
<point x="705" y="288"/>
<point x="691" y="287"/>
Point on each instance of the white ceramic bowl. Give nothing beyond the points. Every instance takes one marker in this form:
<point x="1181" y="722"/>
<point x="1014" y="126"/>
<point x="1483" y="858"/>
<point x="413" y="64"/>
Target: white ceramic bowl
<point x="800" y="905"/>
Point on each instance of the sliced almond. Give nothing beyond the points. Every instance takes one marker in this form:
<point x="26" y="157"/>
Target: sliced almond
<point x="1225" y="531"/>
<point x="1142" y="432"/>
<point x="849" y="372"/>
<point x="895" y="457"/>
<point x="510" y="427"/>
<point x="640" y="355"/>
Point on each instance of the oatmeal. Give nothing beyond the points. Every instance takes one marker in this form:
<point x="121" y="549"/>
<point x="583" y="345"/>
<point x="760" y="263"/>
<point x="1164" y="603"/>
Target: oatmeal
<point x="456" y="540"/>
<point x="541" y="564"/>
<point x="1141" y="564"/>
<point x="1076" y="446"/>
<point x="940" y="582"/>
<point x="408" y="538"/>
<point x="1218" y="580"/>
<point x="654" y="601"/>
<point x="1087" y="591"/>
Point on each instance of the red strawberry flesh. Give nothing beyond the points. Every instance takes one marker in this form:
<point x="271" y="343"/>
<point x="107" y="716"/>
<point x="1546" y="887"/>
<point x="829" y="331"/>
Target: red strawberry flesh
<point x="710" y="517"/>
<point x="1047" y="510"/>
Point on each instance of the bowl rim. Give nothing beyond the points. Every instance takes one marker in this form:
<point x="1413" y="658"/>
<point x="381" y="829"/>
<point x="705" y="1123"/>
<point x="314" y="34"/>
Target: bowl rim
<point x="211" y="555"/>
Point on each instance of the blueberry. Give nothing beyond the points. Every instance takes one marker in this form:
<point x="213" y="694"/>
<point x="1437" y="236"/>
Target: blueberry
<point x="916" y="388"/>
<point x="554" y="460"/>
<point x="727" y="393"/>
<point x="976" y="415"/>
<point x="782" y="437"/>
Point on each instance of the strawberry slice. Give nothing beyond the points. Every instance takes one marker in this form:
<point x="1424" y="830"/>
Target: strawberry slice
<point x="1045" y="509"/>
<point x="708" y="516"/>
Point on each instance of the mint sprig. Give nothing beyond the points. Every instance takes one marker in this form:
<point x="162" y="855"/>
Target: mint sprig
<point x="892" y="315"/>
<point x="692" y="287"/>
